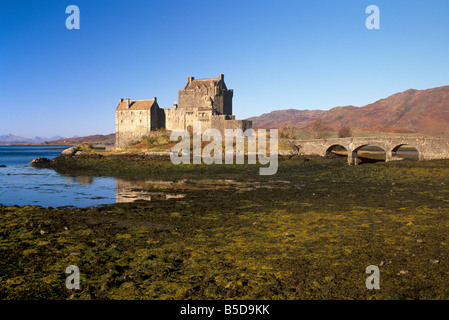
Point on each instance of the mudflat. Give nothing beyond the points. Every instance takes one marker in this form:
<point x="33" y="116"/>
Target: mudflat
<point x="307" y="232"/>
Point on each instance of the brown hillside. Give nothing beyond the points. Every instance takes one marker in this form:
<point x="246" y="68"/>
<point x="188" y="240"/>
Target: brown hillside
<point x="94" y="139"/>
<point x="412" y="111"/>
<point x="298" y="118"/>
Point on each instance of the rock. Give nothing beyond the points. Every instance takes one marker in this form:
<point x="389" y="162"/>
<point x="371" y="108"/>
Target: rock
<point x="2" y="166"/>
<point x="69" y="151"/>
<point x="403" y="272"/>
<point x="157" y="154"/>
<point x="434" y="261"/>
<point x="40" y="160"/>
<point x="286" y="152"/>
<point x="82" y="149"/>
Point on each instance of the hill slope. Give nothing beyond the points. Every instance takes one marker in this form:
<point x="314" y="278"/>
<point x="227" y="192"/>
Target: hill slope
<point x="94" y="139"/>
<point x="412" y="111"/>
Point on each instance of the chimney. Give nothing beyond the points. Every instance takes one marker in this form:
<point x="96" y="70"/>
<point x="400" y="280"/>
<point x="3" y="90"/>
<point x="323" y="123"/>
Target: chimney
<point x="189" y="79"/>
<point x="221" y="76"/>
<point x="154" y="99"/>
<point x="127" y="103"/>
<point x="120" y="100"/>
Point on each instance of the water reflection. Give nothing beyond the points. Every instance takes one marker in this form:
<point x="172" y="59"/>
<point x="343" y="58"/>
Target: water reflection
<point x="22" y="184"/>
<point x="79" y="179"/>
<point x="25" y="185"/>
<point x="132" y="190"/>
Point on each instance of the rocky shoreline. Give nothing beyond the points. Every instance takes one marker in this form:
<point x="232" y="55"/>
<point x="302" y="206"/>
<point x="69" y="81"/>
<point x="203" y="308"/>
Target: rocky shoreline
<point x="78" y="153"/>
<point x="83" y="152"/>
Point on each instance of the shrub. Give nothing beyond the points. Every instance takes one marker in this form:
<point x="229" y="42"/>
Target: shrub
<point x="286" y="132"/>
<point x="84" y="146"/>
<point x="344" y="132"/>
<point x="318" y="130"/>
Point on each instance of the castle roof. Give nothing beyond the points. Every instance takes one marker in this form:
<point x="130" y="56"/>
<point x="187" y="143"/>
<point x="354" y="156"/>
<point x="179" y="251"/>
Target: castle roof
<point x="192" y="83"/>
<point x="202" y="83"/>
<point x="136" y="104"/>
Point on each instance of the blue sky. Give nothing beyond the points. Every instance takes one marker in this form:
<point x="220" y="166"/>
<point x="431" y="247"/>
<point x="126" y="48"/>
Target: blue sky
<point x="274" y="54"/>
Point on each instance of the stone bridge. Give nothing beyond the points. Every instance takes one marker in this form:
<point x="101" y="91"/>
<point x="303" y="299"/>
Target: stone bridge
<point x="428" y="148"/>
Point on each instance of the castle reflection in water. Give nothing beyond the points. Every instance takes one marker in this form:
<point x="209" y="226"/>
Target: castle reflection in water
<point x="132" y="190"/>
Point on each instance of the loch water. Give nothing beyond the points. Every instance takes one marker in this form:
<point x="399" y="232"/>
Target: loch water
<point x="22" y="184"/>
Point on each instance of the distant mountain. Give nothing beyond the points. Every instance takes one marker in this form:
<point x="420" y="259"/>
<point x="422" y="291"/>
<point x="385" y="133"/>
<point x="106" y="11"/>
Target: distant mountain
<point x="10" y="138"/>
<point x="94" y="139"/>
<point x="13" y="139"/>
<point x="43" y="139"/>
<point x="412" y="111"/>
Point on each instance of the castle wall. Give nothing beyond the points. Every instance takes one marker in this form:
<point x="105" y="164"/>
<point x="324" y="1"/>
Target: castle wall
<point x="131" y="126"/>
<point x="180" y="119"/>
<point x="191" y="99"/>
<point x="223" y="122"/>
<point x="227" y="102"/>
<point x="206" y="97"/>
<point x="161" y="122"/>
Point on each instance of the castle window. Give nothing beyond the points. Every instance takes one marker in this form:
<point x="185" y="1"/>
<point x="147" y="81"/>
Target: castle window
<point x="121" y="121"/>
<point x="131" y="113"/>
<point x="132" y="121"/>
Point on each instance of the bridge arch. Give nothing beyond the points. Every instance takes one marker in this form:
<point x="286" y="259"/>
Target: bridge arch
<point x="369" y="153"/>
<point x="337" y="150"/>
<point x="405" y="151"/>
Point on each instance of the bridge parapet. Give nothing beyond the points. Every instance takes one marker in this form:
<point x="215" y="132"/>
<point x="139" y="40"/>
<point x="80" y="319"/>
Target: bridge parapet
<point x="428" y="148"/>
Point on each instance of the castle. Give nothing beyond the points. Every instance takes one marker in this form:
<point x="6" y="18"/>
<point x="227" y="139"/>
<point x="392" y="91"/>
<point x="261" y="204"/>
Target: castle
<point x="206" y="100"/>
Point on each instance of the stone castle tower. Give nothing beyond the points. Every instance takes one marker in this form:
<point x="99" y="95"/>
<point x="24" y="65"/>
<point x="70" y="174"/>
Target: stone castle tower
<point x="134" y="119"/>
<point x="210" y="94"/>
<point x="206" y="100"/>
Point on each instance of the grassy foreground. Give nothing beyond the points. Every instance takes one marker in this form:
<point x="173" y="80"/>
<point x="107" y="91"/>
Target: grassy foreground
<point x="308" y="232"/>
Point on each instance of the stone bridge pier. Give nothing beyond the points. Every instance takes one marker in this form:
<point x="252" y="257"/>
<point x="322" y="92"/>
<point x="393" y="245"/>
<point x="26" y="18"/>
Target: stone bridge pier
<point x="428" y="148"/>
